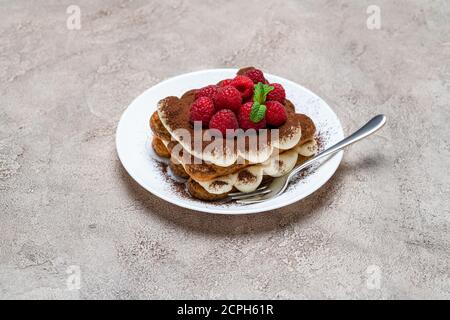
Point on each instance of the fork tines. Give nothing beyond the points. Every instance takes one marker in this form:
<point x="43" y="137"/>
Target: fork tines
<point x="242" y="195"/>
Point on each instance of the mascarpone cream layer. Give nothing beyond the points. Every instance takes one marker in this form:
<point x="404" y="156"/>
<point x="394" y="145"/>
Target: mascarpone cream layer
<point x="249" y="178"/>
<point x="225" y="157"/>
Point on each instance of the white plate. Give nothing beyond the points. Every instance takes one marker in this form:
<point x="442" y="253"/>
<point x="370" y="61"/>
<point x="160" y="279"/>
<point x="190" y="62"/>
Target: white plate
<point x="133" y="139"/>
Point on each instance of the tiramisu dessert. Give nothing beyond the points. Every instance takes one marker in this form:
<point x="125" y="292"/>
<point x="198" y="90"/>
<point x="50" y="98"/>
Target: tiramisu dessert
<point x="232" y="136"/>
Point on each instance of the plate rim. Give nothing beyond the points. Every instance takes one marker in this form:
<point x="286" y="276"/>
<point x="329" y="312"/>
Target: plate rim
<point x="224" y="211"/>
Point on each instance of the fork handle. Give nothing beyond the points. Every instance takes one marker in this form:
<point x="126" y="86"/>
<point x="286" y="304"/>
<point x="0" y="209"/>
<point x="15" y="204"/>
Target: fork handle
<point x="369" y="128"/>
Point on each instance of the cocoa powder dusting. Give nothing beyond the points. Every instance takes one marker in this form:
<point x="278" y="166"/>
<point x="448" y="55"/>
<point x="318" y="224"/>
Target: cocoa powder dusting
<point x="218" y="183"/>
<point x="178" y="187"/>
<point x="162" y="166"/>
<point x="246" y="176"/>
<point x="320" y="142"/>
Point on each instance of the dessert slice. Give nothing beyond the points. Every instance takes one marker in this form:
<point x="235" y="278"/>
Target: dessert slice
<point x="230" y="160"/>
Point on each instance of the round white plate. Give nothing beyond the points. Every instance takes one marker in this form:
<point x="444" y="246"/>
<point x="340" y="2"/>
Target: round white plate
<point x="133" y="139"/>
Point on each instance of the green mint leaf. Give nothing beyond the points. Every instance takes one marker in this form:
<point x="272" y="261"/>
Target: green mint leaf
<point x="258" y="112"/>
<point x="267" y="89"/>
<point x="260" y="92"/>
<point x="254" y="111"/>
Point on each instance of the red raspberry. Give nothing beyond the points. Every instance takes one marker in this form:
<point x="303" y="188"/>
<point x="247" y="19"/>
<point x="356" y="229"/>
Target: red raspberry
<point x="208" y="91"/>
<point x="228" y="98"/>
<point x="277" y="94"/>
<point x="244" y="118"/>
<point x="225" y="82"/>
<point x="256" y="76"/>
<point x="202" y="110"/>
<point x="223" y="120"/>
<point x="249" y="99"/>
<point x="244" y="85"/>
<point x="275" y="113"/>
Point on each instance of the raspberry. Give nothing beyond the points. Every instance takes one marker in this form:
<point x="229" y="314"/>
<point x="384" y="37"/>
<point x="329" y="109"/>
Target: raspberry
<point x="228" y="98"/>
<point x="275" y="113"/>
<point x="278" y="94"/>
<point x="202" y="110"/>
<point x="223" y="120"/>
<point x="208" y="91"/>
<point x="244" y="118"/>
<point x="225" y="82"/>
<point x="244" y="85"/>
<point x="249" y="99"/>
<point x="256" y="76"/>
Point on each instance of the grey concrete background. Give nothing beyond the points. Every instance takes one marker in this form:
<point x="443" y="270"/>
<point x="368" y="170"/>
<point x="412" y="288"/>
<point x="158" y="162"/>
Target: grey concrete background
<point x="65" y="199"/>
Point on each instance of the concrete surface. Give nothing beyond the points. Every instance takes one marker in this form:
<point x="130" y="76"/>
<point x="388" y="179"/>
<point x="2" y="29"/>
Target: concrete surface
<point x="379" y="229"/>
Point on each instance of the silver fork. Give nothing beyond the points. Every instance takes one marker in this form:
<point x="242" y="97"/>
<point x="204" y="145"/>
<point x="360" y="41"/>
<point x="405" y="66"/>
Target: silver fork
<point x="279" y="185"/>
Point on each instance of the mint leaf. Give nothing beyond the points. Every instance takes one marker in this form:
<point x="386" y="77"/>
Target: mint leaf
<point x="267" y="89"/>
<point x="258" y="112"/>
<point x="260" y="92"/>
